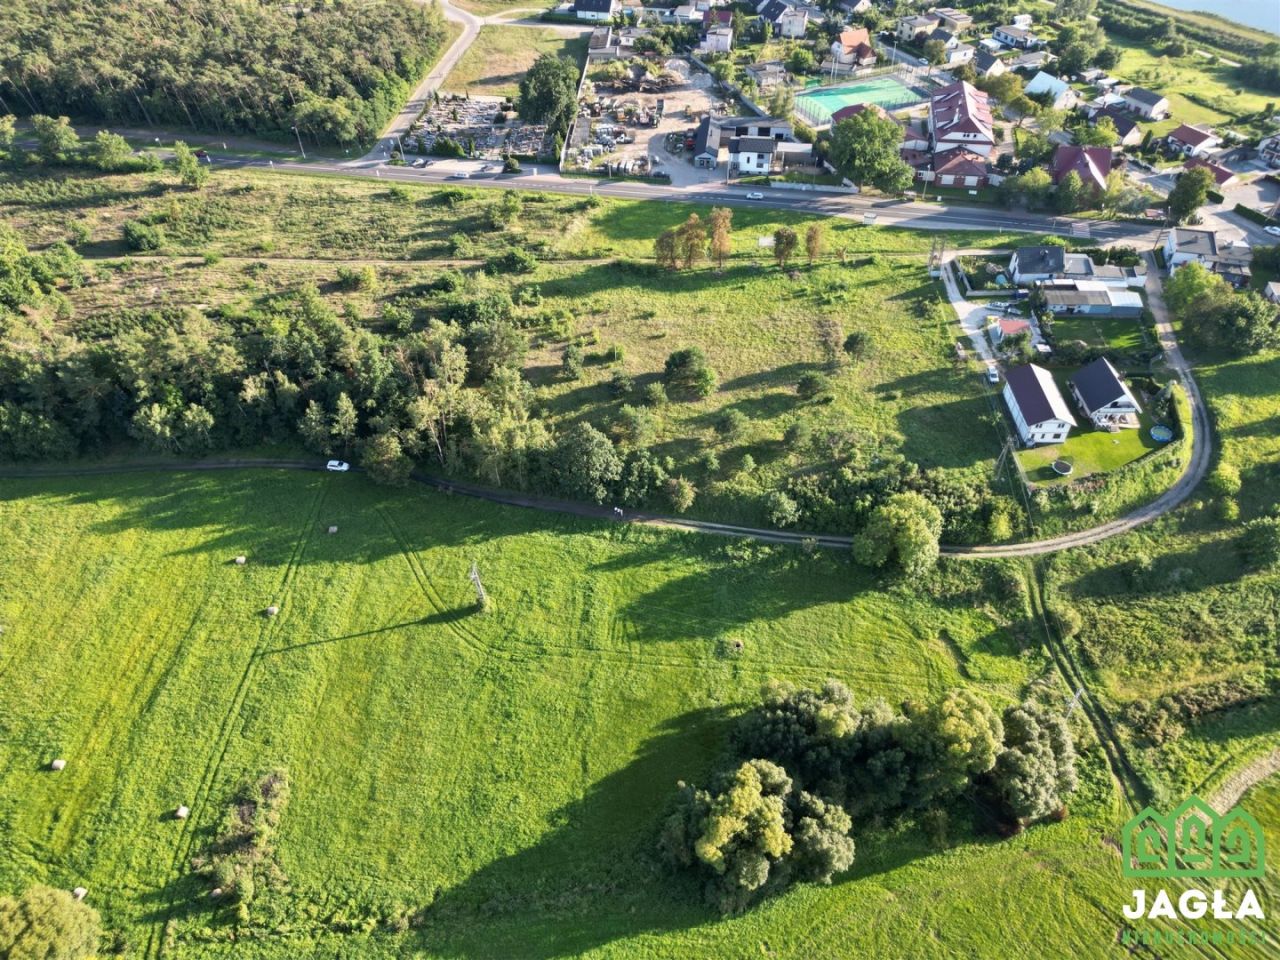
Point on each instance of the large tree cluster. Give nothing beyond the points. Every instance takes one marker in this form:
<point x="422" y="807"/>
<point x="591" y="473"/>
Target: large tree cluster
<point x="806" y="764"/>
<point x="338" y="69"/>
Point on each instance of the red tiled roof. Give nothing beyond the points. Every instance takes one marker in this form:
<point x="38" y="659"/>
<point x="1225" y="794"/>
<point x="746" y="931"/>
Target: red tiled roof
<point x="851" y="37"/>
<point x="961" y="108"/>
<point x="960" y="163"/>
<point x="1220" y="173"/>
<point x="1191" y="136"/>
<point x="844" y="113"/>
<point x="1092" y="164"/>
<point x="1009" y="328"/>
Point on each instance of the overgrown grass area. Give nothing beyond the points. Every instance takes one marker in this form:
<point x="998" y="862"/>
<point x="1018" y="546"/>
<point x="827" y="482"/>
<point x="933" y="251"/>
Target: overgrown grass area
<point x="1199" y="92"/>
<point x="232" y="249"/>
<point x="475" y="785"/>
<point x="500" y="56"/>
<point x="1174" y="618"/>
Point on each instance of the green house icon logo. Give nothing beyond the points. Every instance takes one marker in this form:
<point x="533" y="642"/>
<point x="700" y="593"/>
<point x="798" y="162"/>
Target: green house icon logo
<point x="1193" y="841"/>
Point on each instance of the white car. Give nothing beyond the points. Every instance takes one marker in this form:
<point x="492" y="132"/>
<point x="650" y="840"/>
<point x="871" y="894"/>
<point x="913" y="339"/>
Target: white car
<point x="755" y="195"/>
<point x="460" y="175"/>
<point x="1274" y="231"/>
<point x="993" y="373"/>
<point x="419" y="163"/>
<point x="337" y="466"/>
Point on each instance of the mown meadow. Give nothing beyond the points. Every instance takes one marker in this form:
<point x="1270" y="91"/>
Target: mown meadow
<point x="477" y="785"/>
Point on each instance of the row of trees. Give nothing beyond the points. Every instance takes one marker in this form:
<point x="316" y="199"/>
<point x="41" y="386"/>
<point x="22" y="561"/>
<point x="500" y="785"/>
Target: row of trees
<point x="338" y="70"/>
<point x="805" y="764"/>
<point x="684" y="247"/>
<point x="1218" y="317"/>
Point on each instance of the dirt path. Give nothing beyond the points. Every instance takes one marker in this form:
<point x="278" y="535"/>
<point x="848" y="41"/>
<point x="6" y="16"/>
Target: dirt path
<point x="1236" y="785"/>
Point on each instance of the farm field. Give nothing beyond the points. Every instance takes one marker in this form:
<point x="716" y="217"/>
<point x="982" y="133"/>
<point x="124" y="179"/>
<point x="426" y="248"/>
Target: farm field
<point x="465" y="785"/>
<point x="500" y="56"/>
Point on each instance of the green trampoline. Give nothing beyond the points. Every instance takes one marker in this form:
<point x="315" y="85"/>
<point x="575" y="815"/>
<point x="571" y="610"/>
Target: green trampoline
<point x="888" y="92"/>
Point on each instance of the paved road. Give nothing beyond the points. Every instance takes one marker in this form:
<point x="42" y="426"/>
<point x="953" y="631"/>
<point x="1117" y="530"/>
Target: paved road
<point x="886" y="212"/>
<point x="421" y="95"/>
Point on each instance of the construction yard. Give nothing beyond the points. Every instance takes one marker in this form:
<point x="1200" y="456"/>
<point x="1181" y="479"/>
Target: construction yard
<point x="637" y="129"/>
<point x="485" y="127"/>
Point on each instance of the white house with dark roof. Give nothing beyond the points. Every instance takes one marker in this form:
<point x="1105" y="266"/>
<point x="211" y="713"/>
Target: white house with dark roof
<point x="1104" y="397"/>
<point x="595" y="9"/>
<point x="987" y="64"/>
<point x="1192" y="141"/>
<point x="1228" y="259"/>
<point x="1020" y="38"/>
<point x="1037" y="407"/>
<point x="1146" y="103"/>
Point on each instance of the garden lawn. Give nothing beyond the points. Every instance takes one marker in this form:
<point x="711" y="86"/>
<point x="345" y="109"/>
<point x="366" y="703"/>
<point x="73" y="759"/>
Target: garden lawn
<point x="497" y="778"/>
<point x="1090" y="451"/>
<point x="499" y="57"/>
<point x="1117" y="335"/>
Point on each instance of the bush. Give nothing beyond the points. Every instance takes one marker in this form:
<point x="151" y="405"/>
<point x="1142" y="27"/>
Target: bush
<point x="655" y="395"/>
<point x="142" y="236"/>
<point x="1260" y="543"/>
<point x="687" y="370"/>
<point x="680" y="493"/>
<point x="813" y="386"/>
<point x="731" y="424"/>
<point x="781" y="509"/>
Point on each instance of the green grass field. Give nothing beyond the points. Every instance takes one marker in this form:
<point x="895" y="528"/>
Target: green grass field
<point x="1199" y="92"/>
<point x="1090" y="451"/>
<point x="505" y="772"/>
<point x="500" y="56"/>
<point x="1118" y="334"/>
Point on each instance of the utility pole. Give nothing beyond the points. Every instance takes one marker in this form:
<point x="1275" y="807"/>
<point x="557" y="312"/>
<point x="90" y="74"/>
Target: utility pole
<point x="298" y="134"/>
<point x="1075" y="700"/>
<point x="482" y="598"/>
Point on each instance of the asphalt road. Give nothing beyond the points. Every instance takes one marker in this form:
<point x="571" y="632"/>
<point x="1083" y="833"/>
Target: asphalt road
<point x="886" y="212"/>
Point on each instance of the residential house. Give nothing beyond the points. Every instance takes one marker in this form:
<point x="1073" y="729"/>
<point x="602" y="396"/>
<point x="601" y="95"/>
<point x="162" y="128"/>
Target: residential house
<point x="712" y="18"/>
<point x="855" y="6"/>
<point x="686" y="14"/>
<point x="1272" y="291"/>
<point x="844" y="113"/>
<point x="957" y="21"/>
<point x="991" y="44"/>
<point x="987" y="64"/>
<point x="999" y="328"/>
<point x="1223" y="176"/>
<point x="1091" y="164"/>
<point x="1269" y="151"/>
<point x="600" y="44"/>
<point x="1092" y="298"/>
<point x="916" y="28"/>
<point x="960" y="168"/>
<point x="713" y="140"/>
<point x="1023" y="21"/>
<point x="1030" y="265"/>
<point x="1127" y="129"/>
<point x="1146" y="103"/>
<point x="767" y="74"/>
<point x="1230" y="260"/>
<point x="1032" y="60"/>
<point x="1192" y="141"/>
<point x="945" y="37"/>
<point x="852" y="49"/>
<point x="1057" y="91"/>
<point x="1104" y="397"/>
<point x="595" y="9"/>
<point x="717" y="40"/>
<point x="1020" y="38"/>
<point x="960" y="119"/>
<point x="787" y="20"/>
<point x="1039" y="411"/>
<point x="959" y="54"/>
<point x="752" y="154"/>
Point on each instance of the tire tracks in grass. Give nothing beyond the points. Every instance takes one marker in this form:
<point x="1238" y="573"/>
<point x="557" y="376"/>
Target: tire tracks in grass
<point x="186" y="840"/>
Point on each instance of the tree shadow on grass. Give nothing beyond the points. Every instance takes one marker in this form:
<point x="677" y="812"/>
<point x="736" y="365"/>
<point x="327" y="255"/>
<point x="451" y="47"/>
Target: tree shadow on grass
<point x="595" y="877"/>
<point x="722" y="597"/>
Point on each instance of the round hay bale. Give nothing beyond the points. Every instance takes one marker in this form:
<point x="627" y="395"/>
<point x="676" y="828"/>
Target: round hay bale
<point x="241" y="560"/>
<point x="182" y="813"/>
<point x="272" y="610"/>
<point x="79" y="893"/>
<point x="333" y="529"/>
<point x="215" y="892"/>
<point x="57" y="765"/>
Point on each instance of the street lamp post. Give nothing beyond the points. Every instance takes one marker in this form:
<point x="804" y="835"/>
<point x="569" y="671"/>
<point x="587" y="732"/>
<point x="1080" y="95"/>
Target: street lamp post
<point x="298" y="134"/>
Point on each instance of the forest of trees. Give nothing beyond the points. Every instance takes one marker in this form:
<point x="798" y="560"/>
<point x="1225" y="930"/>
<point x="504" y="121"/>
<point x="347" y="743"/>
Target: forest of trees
<point x="338" y="69"/>
<point x="806" y="764"/>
